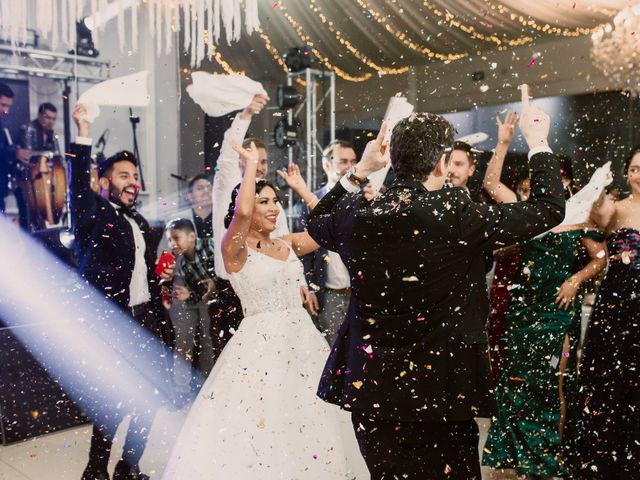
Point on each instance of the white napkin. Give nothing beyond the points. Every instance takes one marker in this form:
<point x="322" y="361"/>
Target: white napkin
<point x="129" y="90"/>
<point x="579" y="205"/>
<point x="218" y="95"/>
<point x="397" y="109"/>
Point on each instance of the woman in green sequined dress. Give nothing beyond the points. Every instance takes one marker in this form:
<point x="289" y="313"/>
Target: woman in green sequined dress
<point x="542" y="328"/>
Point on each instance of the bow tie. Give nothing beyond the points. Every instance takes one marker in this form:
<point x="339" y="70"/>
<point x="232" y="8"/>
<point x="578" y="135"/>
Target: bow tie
<point x="122" y="210"/>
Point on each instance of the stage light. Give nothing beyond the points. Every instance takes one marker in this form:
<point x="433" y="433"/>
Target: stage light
<point x="298" y="58"/>
<point x="287" y="97"/>
<point x="84" y="42"/>
<point x="285" y="135"/>
<point x="97" y="353"/>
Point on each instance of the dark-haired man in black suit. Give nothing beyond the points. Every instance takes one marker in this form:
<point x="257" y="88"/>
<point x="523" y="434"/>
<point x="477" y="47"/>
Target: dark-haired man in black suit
<point x="411" y="359"/>
<point x="116" y="257"/>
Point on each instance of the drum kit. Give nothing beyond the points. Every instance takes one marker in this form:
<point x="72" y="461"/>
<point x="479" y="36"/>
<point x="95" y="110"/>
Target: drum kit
<point x="44" y="183"/>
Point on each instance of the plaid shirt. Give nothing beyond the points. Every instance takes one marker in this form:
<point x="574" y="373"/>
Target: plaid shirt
<point x="201" y="268"/>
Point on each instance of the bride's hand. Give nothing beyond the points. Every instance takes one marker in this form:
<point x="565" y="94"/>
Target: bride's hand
<point x="248" y="156"/>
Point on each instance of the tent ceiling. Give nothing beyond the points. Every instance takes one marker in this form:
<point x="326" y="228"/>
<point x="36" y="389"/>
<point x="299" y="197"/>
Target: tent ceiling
<point x="364" y="38"/>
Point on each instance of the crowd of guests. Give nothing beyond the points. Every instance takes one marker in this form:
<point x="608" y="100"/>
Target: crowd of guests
<point x="562" y="407"/>
<point x="556" y="415"/>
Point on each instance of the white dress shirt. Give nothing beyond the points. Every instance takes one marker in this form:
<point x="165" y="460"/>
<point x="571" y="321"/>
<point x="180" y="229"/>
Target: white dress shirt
<point x="228" y="175"/>
<point x="337" y="273"/>
<point x="138" y="286"/>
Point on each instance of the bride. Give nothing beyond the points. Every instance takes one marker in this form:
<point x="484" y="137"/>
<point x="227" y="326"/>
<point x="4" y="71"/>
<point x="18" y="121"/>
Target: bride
<point x="257" y="415"/>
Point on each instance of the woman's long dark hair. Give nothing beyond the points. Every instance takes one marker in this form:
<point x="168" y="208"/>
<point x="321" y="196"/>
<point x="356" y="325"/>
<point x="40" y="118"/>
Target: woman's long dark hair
<point x="260" y="185"/>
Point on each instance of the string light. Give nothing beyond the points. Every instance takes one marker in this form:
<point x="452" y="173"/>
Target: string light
<point x="407" y="41"/>
<point x="325" y="60"/>
<point x="472" y="32"/>
<point x="215" y="54"/>
<point x="353" y="50"/>
<point x="266" y="41"/>
<point x="445" y="16"/>
<point x="546" y="28"/>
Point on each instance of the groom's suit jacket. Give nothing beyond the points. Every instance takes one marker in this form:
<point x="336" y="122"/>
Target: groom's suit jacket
<point x="104" y="238"/>
<point x="414" y="343"/>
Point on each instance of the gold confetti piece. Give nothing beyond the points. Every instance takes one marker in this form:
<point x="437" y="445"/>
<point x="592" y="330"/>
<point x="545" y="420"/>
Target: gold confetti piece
<point x="357" y="384"/>
<point x="626" y="257"/>
<point x="261" y="423"/>
<point x="403" y="373"/>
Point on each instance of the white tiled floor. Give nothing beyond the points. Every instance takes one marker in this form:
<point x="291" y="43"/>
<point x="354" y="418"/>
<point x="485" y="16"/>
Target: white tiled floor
<point x="63" y="455"/>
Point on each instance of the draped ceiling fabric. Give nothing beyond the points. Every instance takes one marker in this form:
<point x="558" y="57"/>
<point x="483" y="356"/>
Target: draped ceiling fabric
<point x="364" y="37"/>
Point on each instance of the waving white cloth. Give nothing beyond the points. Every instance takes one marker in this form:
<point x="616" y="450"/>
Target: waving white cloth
<point x="130" y="90"/>
<point x="218" y="95"/>
<point x="578" y="207"/>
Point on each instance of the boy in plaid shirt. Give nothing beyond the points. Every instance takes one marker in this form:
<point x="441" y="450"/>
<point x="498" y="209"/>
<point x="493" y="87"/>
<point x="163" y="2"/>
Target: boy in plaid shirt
<point x="193" y="282"/>
<point x="194" y="262"/>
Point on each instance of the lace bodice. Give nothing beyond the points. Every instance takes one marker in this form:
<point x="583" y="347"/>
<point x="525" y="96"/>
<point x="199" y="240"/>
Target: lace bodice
<point x="266" y="284"/>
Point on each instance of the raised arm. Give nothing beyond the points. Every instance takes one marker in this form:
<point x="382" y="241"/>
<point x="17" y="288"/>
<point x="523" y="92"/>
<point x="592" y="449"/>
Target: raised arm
<point x="491" y="183"/>
<point x="83" y="202"/>
<point x="234" y="247"/>
<point x="494" y="226"/>
<point x="321" y="223"/>
<point x="228" y="174"/>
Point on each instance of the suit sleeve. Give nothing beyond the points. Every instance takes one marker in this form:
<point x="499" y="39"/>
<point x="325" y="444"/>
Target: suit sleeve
<point x="325" y="217"/>
<point x="494" y="226"/>
<point x="82" y="199"/>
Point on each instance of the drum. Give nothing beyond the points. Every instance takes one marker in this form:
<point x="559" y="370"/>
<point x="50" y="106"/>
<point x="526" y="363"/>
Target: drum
<point x="48" y="188"/>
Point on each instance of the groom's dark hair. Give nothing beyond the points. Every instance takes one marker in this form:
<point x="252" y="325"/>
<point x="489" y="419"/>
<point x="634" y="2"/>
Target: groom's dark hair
<point x="417" y="143"/>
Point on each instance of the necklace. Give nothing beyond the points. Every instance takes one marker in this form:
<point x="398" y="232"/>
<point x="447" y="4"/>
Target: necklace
<point x="268" y="247"/>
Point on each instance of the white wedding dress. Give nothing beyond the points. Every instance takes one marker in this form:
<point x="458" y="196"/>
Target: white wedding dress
<point x="257" y="416"/>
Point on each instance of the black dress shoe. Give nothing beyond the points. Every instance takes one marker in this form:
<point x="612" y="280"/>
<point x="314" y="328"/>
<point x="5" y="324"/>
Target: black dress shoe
<point x="124" y="471"/>
<point x="93" y="473"/>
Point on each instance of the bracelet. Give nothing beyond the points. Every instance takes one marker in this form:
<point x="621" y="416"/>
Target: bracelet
<point x="313" y="202"/>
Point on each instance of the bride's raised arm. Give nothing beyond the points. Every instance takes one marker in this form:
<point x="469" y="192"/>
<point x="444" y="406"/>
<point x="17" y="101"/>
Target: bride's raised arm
<point x="234" y="249"/>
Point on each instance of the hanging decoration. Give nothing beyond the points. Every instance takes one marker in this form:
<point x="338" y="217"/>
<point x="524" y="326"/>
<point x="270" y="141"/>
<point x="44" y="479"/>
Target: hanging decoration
<point x="56" y="21"/>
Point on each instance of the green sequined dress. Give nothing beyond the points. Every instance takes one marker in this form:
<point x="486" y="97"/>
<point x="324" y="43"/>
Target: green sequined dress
<point x="525" y="435"/>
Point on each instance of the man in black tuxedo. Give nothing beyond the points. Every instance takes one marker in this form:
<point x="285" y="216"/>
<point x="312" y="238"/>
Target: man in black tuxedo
<point x="116" y="257"/>
<point x="411" y="361"/>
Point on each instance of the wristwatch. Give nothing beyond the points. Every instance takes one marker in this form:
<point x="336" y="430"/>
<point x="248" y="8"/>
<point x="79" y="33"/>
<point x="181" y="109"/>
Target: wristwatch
<point x="354" y="179"/>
